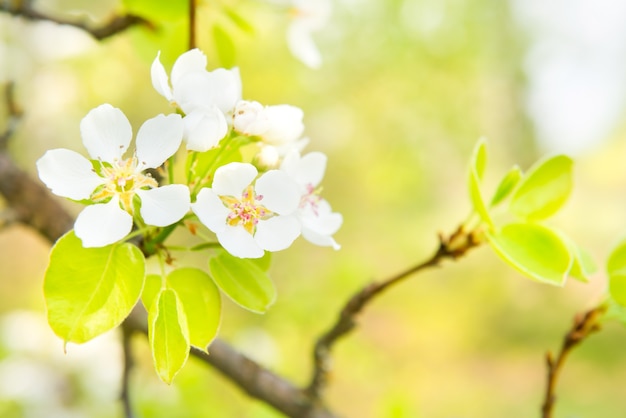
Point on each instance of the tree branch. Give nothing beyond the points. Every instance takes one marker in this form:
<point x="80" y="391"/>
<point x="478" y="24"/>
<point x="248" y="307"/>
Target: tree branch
<point x="116" y="25"/>
<point x="35" y="206"/>
<point x="452" y="247"/>
<point x="583" y="327"/>
<point x="257" y="381"/>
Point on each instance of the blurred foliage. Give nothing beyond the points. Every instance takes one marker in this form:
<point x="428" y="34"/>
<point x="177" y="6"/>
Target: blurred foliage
<point x="406" y="88"/>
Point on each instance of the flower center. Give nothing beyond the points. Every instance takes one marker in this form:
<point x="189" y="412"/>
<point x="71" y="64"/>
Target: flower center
<point x="123" y="179"/>
<point x="311" y="198"/>
<point x="246" y="211"/>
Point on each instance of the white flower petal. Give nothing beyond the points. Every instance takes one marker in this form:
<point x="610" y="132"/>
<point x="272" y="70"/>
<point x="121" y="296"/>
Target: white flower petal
<point x="249" y="118"/>
<point x="158" y="139"/>
<point x="68" y="174"/>
<point x="277" y="233"/>
<point x="320" y="219"/>
<point x="210" y="210"/>
<point x="307" y="170"/>
<point x="231" y="179"/>
<point x="237" y="241"/>
<point x="318" y="239"/>
<point x="302" y="46"/>
<point x="103" y="224"/>
<point x="159" y="78"/>
<point x="164" y="205"/>
<point x="227" y="88"/>
<point x="204" y="128"/>
<point x="278" y="192"/>
<point x="106" y="133"/>
<point x="285" y="124"/>
<point x="189" y="62"/>
<point x="194" y="90"/>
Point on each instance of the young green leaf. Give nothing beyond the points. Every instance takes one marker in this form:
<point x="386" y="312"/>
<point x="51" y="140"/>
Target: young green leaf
<point x="616" y="271"/>
<point x="239" y="20"/>
<point x="168" y="335"/>
<point x="544" y="189"/>
<point x="506" y="186"/>
<point x="534" y="250"/>
<point x="477" y="200"/>
<point x="151" y="289"/>
<point x="201" y="301"/>
<point x="243" y="281"/>
<point x="89" y="291"/>
<point x="479" y="158"/>
<point x="583" y="263"/>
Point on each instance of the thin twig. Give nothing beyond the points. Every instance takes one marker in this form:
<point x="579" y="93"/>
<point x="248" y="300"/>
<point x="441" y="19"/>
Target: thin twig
<point x="128" y="366"/>
<point x="192" y="24"/>
<point x="584" y="325"/>
<point x="452" y="247"/>
<point x="14" y="115"/>
<point x="116" y="25"/>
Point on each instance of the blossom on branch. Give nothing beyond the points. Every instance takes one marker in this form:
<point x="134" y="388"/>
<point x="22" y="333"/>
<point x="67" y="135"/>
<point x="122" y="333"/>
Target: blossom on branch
<point x="276" y="125"/>
<point x="114" y="184"/>
<point x="317" y="219"/>
<point x="307" y="16"/>
<point x="248" y="216"/>
<point x="206" y="97"/>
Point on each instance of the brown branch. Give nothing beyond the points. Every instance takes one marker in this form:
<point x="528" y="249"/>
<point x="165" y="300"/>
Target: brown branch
<point x="583" y="327"/>
<point x="116" y="25"/>
<point x="192" y="24"/>
<point x="452" y="247"/>
<point x="257" y="381"/>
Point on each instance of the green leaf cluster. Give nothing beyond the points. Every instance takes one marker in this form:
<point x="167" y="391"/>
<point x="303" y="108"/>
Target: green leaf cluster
<point x="538" y="251"/>
<point x="89" y="291"/>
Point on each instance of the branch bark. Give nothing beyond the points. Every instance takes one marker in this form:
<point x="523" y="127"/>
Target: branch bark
<point x="451" y="247"/>
<point x="584" y="325"/>
<point x="116" y="25"/>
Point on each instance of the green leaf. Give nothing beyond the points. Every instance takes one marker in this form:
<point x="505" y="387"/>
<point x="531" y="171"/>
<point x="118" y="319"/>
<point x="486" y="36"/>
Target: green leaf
<point x="583" y="263"/>
<point x="151" y="289"/>
<point x="476" y="198"/>
<point x="616" y="271"/>
<point x="239" y="20"/>
<point x="243" y="281"/>
<point x="264" y="262"/>
<point x="477" y="166"/>
<point x="224" y="45"/>
<point x="202" y="166"/>
<point x="479" y="158"/>
<point x="168" y="334"/>
<point x="506" y="186"/>
<point x="201" y="301"/>
<point x="89" y="291"/>
<point x="534" y="250"/>
<point x="544" y="189"/>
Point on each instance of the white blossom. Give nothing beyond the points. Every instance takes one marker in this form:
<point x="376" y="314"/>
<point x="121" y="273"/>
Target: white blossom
<point x="206" y="97"/>
<point x="276" y="125"/>
<point x="307" y="16"/>
<point x="318" y="221"/>
<point x="248" y="216"/>
<point x="110" y="181"/>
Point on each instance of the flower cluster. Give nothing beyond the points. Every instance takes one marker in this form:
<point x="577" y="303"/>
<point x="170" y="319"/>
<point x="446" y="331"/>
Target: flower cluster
<point x="262" y="203"/>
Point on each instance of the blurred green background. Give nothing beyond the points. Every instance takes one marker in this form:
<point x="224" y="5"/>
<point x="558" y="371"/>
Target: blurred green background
<point x="406" y="88"/>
